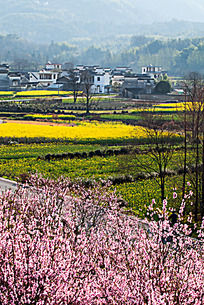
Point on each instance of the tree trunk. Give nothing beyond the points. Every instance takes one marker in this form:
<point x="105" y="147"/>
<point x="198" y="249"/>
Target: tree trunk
<point x="197" y="173"/>
<point x="75" y="97"/>
<point x="202" y="199"/>
<point x="87" y="105"/>
<point x="162" y="181"/>
<point x="185" y="155"/>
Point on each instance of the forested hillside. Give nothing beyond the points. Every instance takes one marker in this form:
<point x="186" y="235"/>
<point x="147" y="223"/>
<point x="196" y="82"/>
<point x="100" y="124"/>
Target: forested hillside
<point x="177" y="56"/>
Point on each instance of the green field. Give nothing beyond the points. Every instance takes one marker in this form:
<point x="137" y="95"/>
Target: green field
<point x="139" y="194"/>
<point x="23" y="151"/>
<point x="23" y="159"/>
<point x="16" y="159"/>
<point x="136" y="184"/>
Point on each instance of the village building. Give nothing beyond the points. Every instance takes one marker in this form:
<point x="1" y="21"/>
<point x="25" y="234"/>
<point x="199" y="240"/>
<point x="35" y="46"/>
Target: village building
<point x="46" y="76"/>
<point x="14" y="81"/>
<point x="122" y="70"/>
<point x="155" y="72"/>
<point x="100" y="78"/>
<point x="135" y="85"/>
<point x="4" y="79"/>
<point x="55" y="76"/>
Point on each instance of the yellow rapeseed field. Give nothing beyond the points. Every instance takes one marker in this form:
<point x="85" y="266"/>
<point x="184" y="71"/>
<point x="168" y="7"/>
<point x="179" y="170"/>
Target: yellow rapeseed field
<point x="170" y="106"/>
<point x="79" y="131"/>
<point x="6" y="93"/>
<point x="42" y="93"/>
<point x="181" y="106"/>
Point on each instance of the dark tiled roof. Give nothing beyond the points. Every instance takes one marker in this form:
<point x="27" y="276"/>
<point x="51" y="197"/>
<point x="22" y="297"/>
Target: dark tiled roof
<point x="134" y="90"/>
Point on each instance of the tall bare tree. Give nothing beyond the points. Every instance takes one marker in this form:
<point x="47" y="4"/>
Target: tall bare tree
<point x="194" y="126"/>
<point x="74" y="80"/>
<point x="87" y="83"/>
<point x="160" y="151"/>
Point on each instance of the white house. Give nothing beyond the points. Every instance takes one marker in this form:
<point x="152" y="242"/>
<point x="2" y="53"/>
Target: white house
<point x="122" y="70"/>
<point x="100" y="78"/>
<point x="4" y="79"/>
<point x="14" y="79"/>
<point x="153" y="71"/>
<point x="46" y="76"/>
<point x="52" y="67"/>
<point x="118" y="80"/>
<point x="101" y="83"/>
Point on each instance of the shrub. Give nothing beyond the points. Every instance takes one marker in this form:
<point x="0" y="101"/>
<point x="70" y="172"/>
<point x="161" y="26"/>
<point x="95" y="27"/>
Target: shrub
<point x="98" y="153"/>
<point x="84" y="155"/>
<point x="91" y="154"/>
<point x="77" y="155"/>
<point x="110" y="152"/>
<point x="163" y="87"/>
<point x="124" y="151"/>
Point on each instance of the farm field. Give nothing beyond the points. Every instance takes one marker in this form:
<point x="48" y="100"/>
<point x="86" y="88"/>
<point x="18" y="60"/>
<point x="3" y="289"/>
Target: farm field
<point x="139" y="194"/>
<point x="6" y="93"/>
<point x="99" y="99"/>
<point x="131" y="117"/>
<point x="104" y="110"/>
<point x="22" y="151"/>
<point x="50" y="116"/>
<point x="34" y="93"/>
<point x="20" y="160"/>
<point x="82" y="131"/>
<point x="55" y="145"/>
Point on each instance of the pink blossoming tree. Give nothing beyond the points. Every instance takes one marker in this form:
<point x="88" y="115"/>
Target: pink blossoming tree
<point x="66" y="244"/>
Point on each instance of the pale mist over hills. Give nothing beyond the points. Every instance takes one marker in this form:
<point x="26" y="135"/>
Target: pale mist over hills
<point x="62" y="20"/>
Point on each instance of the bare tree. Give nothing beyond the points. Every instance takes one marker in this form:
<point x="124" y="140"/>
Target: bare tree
<point x="185" y="148"/>
<point x="194" y="125"/>
<point x="87" y="83"/>
<point x="161" y="150"/>
<point x="74" y="80"/>
<point x="159" y="153"/>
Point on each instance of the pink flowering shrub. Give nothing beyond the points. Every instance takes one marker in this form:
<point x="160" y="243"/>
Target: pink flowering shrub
<point x="65" y="244"/>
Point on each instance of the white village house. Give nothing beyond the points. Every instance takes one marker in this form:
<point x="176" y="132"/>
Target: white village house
<point x="46" y="76"/>
<point x="153" y="71"/>
<point x="14" y="81"/>
<point x="101" y="78"/>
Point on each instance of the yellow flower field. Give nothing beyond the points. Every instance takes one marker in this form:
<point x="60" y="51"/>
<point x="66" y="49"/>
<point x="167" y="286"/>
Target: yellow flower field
<point x="179" y="106"/>
<point x="161" y="107"/>
<point x="49" y="116"/>
<point x="170" y="106"/>
<point x="6" y="93"/>
<point x="80" y="131"/>
<point x="42" y="93"/>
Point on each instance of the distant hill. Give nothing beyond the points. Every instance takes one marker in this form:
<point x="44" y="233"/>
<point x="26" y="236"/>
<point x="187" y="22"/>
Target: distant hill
<point x="46" y="20"/>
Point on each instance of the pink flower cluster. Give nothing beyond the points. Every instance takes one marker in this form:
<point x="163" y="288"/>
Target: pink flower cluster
<point x="66" y="244"/>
